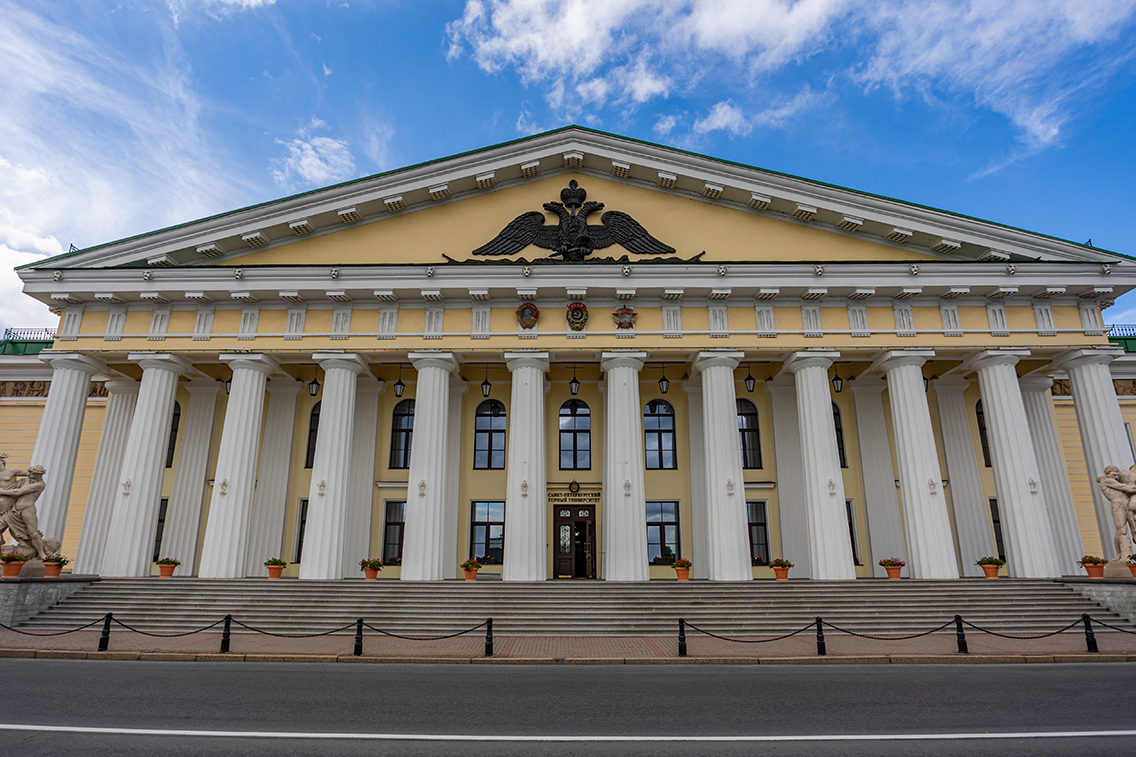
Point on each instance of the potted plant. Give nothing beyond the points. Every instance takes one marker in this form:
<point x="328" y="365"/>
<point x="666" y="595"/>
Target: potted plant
<point x="275" y="566"/>
<point x="13" y="564"/>
<point x="893" y="566"/>
<point x="781" y="568"/>
<point x="166" y="566"/>
<point x="990" y="565"/>
<point x="1132" y="564"/>
<point x="1093" y="565"/>
<point x="682" y="569"/>
<point x="371" y="568"/>
<point x="471" y="567"/>
<point x="53" y="565"/>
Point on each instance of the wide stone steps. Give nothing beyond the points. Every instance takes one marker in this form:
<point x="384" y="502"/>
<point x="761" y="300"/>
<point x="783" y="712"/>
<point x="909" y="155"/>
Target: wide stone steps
<point x="593" y="608"/>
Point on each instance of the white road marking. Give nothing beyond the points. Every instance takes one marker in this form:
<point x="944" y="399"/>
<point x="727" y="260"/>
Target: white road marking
<point x="491" y="738"/>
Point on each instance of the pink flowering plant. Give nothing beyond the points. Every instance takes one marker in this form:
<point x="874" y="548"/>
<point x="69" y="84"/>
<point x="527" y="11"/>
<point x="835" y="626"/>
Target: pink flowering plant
<point x="1132" y="559"/>
<point x="13" y="557"/>
<point x="892" y="562"/>
<point x="473" y="564"/>
<point x="780" y="563"/>
<point x="1092" y="560"/>
<point x="683" y="564"/>
<point x="57" y="558"/>
<point x="373" y="563"/>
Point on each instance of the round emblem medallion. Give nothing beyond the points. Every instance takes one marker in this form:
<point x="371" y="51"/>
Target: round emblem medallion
<point x="574" y="487"/>
<point x="577" y="315"/>
<point x="527" y="315"/>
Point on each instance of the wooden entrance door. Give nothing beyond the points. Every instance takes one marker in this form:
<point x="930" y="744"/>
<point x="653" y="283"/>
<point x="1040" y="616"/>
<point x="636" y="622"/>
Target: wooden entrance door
<point x="575" y="541"/>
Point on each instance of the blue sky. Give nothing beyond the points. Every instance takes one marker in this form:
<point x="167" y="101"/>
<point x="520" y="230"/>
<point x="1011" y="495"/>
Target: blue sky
<point x="121" y="117"/>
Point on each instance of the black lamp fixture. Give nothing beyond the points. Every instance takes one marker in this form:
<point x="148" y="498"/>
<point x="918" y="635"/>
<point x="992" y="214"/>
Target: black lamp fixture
<point x="399" y="387"/>
<point x="314" y="386"/>
<point x="837" y="383"/>
<point x="750" y="381"/>
<point x="228" y="384"/>
<point x="485" y="385"/>
<point x="574" y="384"/>
<point x="664" y="384"/>
<point x="927" y="382"/>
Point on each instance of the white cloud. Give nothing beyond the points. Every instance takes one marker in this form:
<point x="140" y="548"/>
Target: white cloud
<point x="312" y="161"/>
<point x="378" y="137"/>
<point x="326" y="71"/>
<point x="665" y="125"/>
<point x="724" y="116"/>
<point x="1123" y="312"/>
<point x="215" y="8"/>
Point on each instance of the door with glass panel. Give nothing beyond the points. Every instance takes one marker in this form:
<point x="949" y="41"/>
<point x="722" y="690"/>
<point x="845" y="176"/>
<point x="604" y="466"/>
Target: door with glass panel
<point x="574" y="529"/>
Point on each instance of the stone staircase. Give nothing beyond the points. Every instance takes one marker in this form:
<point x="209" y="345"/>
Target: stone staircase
<point x="576" y="608"/>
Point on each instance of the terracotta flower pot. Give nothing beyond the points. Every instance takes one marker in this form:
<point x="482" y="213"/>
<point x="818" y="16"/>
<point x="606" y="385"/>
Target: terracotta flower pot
<point x="12" y="569"/>
<point x="781" y="573"/>
<point x="52" y="569"/>
<point x="683" y="574"/>
<point x="1095" y="571"/>
<point x="991" y="571"/>
<point x="1132" y="567"/>
<point x="274" y="571"/>
<point x="471" y="575"/>
<point x="893" y="571"/>
<point x="371" y="574"/>
<point x="166" y="571"/>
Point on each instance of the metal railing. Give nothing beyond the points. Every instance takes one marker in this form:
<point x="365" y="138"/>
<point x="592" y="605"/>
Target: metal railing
<point x="29" y="335"/>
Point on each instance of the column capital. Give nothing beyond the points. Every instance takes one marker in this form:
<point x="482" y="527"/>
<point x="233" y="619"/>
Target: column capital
<point x="202" y="386"/>
<point x="628" y="359"/>
<point x="979" y="360"/>
<point x="347" y="360"/>
<point x="283" y="387"/>
<point x="710" y="359"/>
<point x="368" y="384"/>
<point x="515" y="360"/>
<point x="265" y="364"/>
<point x="867" y="384"/>
<point x="795" y="361"/>
<point x="121" y="386"/>
<point x="444" y="360"/>
<point x="885" y="361"/>
<point x="692" y="384"/>
<point x="783" y="380"/>
<point x="953" y="384"/>
<point x="161" y="361"/>
<point x="1038" y="383"/>
<point x="1075" y="358"/>
<point x="74" y="361"/>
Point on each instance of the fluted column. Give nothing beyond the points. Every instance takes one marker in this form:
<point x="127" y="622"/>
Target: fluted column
<point x="972" y="511"/>
<point x="60" y="427"/>
<point x="223" y="552"/>
<point x="1021" y="500"/>
<point x="458" y="388"/>
<point x="1102" y="428"/>
<point x="266" y="525"/>
<point x="1054" y="479"/>
<point x="425" y="553"/>
<point x="624" y="503"/>
<point x="830" y="550"/>
<point x="698" y="526"/>
<point x="183" y="516"/>
<point x="526" y="516"/>
<point x="104" y="480"/>
<point x="885" y="523"/>
<point x="791" y="509"/>
<point x="134" y="521"/>
<point x="365" y="432"/>
<point x="726" y="521"/>
<point x="926" y="521"/>
<point x="331" y="469"/>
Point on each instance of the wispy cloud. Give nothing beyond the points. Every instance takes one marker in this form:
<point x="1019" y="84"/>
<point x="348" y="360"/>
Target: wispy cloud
<point x="309" y="160"/>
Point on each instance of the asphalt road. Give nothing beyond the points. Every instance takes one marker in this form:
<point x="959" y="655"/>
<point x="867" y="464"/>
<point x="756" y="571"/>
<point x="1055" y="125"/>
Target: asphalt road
<point x="855" y="704"/>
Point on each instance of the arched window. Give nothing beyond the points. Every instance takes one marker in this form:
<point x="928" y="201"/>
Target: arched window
<point x="313" y="432"/>
<point x="659" y="433"/>
<point x="402" y="429"/>
<point x="839" y="424"/>
<point x="489" y="436"/>
<point x="575" y="436"/>
<point x="750" y="434"/>
<point x="173" y="435"/>
<point x="982" y="437"/>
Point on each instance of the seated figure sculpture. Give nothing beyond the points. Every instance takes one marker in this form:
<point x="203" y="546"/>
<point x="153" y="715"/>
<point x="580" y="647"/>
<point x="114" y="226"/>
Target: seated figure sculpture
<point x="18" y="512"/>
<point x="1119" y="488"/>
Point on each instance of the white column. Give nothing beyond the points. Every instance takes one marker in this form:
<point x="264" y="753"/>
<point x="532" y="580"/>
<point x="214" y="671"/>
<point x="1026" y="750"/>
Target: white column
<point x="971" y="509"/>
<point x="830" y="549"/>
<point x="624" y="503"/>
<point x="266" y="525"/>
<point x="183" y="516"/>
<point x="1102" y="427"/>
<point x="1021" y="500"/>
<point x="1054" y="479"/>
<point x="926" y="521"/>
<point x="223" y="552"/>
<point x="885" y="523"/>
<point x="361" y="495"/>
<point x="104" y="481"/>
<point x="696" y="461"/>
<point x="726" y="521"/>
<point x="134" y="520"/>
<point x="60" y="427"/>
<point x="526" y="516"/>
<point x="331" y="469"/>
<point x="425" y="553"/>
<point x="458" y="388"/>
<point x="790" y="470"/>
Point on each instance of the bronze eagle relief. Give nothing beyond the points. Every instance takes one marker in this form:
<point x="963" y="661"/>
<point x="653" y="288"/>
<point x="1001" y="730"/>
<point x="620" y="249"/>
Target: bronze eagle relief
<point x="574" y="239"/>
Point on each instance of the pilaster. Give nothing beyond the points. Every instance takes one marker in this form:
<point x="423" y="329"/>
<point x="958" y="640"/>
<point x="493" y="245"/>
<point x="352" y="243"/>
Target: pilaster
<point x="458" y="388"/>
<point x="183" y="516"/>
<point x="697" y="448"/>
<point x="266" y="524"/>
<point x="526" y="516"/>
<point x="624" y="503"/>
<point x="360" y="502"/>
<point x="885" y="523"/>
<point x="791" y="508"/>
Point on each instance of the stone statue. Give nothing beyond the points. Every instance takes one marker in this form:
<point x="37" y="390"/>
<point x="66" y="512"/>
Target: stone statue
<point x="1119" y="488"/>
<point x="18" y="516"/>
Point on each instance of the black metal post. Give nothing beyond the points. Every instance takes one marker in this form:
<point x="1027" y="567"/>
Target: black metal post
<point x="225" y="634"/>
<point x="359" y="637"/>
<point x="821" y="650"/>
<point x="681" y="637"/>
<point x="1090" y="637"/>
<point x="104" y="639"/>
<point x="960" y="635"/>
<point x="489" y="637"/>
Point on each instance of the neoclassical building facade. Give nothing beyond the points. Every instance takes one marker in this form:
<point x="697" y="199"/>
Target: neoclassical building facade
<point x="577" y="356"/>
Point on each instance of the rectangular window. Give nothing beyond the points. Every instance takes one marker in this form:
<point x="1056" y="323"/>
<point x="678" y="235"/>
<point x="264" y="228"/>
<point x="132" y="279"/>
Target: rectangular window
<point x="662" y="533"/>
<point x="758" y="532"/>
<point x="301" y="523"/>
<point x="394" y="523"/>
<point x="850" y="507"/>
<point x="996" y="521"/>
<point x="487" y="531"/>
<point x="161" y="530"/>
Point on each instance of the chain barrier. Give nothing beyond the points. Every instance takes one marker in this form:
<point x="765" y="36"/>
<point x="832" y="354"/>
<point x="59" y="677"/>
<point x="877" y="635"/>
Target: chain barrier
<point x="1114" y="628"/>
<point x="163" y="635"/>
<point x="289" y="635"/>
<point x="53" y="633"/>
<point x="746" y="641"/>
<point x="1023" y="638"/>
<point x="426" y="638"/>
<point x="835" y="627"/>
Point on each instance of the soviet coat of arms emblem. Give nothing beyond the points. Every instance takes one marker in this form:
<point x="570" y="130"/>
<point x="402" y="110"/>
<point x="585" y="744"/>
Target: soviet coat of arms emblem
<point x="624" y="318"/>
<point x="527" y="315"/>
<point x="577" y="316"/>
